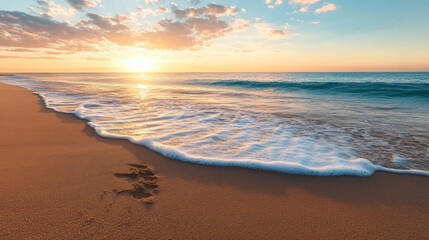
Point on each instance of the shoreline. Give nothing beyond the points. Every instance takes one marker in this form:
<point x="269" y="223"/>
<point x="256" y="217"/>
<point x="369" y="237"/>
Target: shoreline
<point x="363" y="168"/>
<point x="56" y="171"/>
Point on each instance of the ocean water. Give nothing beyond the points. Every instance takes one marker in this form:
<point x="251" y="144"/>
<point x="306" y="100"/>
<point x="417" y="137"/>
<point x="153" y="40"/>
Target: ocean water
<point x="322" y="124"/>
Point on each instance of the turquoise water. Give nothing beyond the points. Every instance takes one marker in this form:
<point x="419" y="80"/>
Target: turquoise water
<point x="301" y="123"/>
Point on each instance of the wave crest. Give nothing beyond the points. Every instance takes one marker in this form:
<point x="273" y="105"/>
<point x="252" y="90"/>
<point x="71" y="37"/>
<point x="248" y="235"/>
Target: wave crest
<point x="380" y="89"/>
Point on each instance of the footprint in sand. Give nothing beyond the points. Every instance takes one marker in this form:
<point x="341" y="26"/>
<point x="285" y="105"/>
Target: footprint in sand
<point x="145" y="183"/>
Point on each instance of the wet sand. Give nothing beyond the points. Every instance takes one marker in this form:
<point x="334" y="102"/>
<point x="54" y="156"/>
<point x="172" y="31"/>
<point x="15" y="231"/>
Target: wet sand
<point x="59" y="180"/>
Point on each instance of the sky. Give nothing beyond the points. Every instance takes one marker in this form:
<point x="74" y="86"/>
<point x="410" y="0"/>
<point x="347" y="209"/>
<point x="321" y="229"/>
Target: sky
<point x="214" y="36"/>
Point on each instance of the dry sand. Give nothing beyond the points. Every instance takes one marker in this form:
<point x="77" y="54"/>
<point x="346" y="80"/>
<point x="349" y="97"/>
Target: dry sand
<point x="57" y="181"/>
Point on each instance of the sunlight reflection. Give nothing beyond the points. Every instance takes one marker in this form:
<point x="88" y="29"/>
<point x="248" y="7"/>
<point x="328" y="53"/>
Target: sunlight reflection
<point x="143" y="90"/>
<point x="142" y="86"/>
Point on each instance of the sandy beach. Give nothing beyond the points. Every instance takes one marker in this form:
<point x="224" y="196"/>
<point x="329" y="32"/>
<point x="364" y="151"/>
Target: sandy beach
<point x="60" y="180"/>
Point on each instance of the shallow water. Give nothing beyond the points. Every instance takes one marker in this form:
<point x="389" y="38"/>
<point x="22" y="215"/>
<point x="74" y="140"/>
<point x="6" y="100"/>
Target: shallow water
<point x="303" y="123"/>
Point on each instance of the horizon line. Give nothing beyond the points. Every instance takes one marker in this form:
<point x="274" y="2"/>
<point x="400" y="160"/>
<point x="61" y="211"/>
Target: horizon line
<point x="426" y="71"/>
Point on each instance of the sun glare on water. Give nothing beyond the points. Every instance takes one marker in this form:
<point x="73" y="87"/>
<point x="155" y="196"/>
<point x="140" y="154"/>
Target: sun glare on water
<point x="139" y="64"/>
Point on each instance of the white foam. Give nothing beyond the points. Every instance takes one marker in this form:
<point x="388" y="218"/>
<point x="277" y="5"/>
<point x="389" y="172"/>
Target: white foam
<point x="284" y="153"/>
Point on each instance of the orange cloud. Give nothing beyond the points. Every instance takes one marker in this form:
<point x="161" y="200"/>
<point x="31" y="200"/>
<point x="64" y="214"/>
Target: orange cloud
<point x="97" y="59"/>
<point x="266" y="30"/>
<point x="18" y="29"/>
<point x="304" y="9"/>
<point x="51" y="9"/>
<point x="96" y="32"/>
<point x="26" y="57"/>
<point x="326" y="8"/>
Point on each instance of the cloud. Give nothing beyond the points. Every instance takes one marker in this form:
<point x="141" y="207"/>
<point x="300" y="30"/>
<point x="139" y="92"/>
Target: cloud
<point x="288" y="26"/>
<point x="18" y="29"/>
<point x="267" y="31"/>
<point x="326" y="8"/>
<point x="194" y="2"/>
<point x="80" y="4"/>
<point x="303" y="2"/>
<point x="97" y="59"/>
<point x="192" y="33"/>
<point x="108" y="23"/>
<point x="193" y="30"/>
<point x="152" y="1"/>
<point x="240" y="25"/>
<point x="144" y="11"/>
<point x="179" y="32"/>
<point x="211" y="9"/>
<point x="51" y="9"/>
<point x="20" y="50"/>
<point x="304" y="9"/>
<point x="276" y="3"/>
<point x="163" y="10"/>
<point x="26" y="57"/>
<point x="220" y="10"/>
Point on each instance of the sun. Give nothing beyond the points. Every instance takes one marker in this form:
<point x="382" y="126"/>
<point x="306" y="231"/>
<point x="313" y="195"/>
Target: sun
<point x="139" y="64"/>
